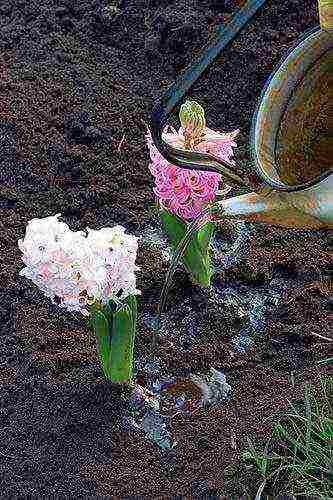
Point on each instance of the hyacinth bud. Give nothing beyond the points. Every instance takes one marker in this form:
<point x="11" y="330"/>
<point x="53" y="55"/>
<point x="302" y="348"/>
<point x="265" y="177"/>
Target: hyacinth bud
<point x="192" y="118"/>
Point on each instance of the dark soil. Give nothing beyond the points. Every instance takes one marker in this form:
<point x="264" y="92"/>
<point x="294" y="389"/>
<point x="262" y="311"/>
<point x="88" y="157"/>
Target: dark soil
<point x="77" y="78"/>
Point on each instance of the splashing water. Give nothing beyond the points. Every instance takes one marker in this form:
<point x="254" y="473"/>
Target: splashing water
<point x="238" y="248"/>
<point x="257" y="309"/>
<point x="144" y="414"/>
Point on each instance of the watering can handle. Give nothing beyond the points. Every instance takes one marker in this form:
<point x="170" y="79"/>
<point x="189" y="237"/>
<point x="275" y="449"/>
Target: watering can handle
<point x="325" y="8"/>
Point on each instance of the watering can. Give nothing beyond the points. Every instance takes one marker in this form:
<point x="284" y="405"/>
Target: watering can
<point x="291" y="134"/>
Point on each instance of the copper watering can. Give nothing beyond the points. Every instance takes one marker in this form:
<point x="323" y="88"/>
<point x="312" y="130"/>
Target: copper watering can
<point x="291" y="136"/>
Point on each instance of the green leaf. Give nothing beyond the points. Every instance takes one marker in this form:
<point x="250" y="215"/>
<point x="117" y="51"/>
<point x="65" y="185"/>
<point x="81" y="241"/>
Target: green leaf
<point x="122" y="345"/>
<point x="132" y="303"/>
<point x="109" y="309"/>
<point x="196" y="258"/>
<point x="100" y="325"/>
<point x="326" y="360"/>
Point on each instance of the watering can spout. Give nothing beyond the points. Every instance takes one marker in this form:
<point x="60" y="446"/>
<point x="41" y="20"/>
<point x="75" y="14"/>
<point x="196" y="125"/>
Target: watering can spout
<point x="303" y="209"/>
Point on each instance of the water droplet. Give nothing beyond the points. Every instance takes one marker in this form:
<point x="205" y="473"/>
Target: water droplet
<point x="242" y="342"/>
<point x="229" y="260"/>
<point x="151" y="321"/>
<point x="152" y="366"/>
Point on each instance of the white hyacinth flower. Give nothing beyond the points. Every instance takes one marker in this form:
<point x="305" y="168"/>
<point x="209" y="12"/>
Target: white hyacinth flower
<point x="69" y="265"/>
<point x="107" y="237"/>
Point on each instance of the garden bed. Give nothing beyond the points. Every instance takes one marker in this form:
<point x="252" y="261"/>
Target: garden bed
<point x="76" y="81"/>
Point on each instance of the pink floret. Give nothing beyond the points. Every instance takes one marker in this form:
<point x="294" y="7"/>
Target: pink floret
<point x="187" y="192"/>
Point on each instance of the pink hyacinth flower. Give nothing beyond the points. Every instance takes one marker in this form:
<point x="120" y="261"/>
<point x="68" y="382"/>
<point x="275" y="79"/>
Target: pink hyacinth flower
<point x="186" y="193"/>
